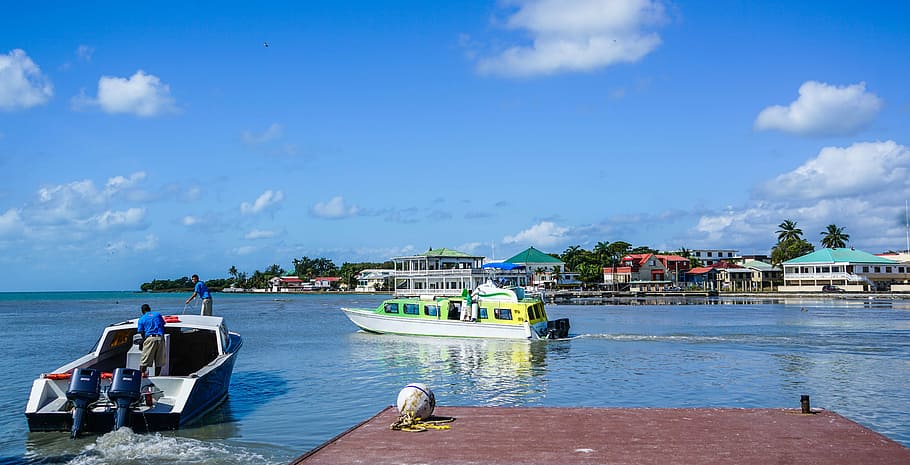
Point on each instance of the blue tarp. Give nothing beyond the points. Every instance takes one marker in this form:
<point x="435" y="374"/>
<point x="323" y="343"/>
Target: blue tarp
<point x="502" y="266"/>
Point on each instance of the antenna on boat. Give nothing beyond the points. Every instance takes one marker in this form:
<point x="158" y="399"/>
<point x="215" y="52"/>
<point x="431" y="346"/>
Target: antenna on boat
<point x="907" y="213"/>
<point x="493" y="251"/>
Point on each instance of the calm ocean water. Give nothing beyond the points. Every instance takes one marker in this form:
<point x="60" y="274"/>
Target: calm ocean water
<point x="305" y="373"/>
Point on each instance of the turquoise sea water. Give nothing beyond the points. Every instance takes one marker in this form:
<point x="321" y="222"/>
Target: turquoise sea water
<point x="306" y="374"/>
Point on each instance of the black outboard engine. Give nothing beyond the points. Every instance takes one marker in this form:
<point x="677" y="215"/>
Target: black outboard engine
<point x="558" y="329"/>
<point x="85" y="388"/>
<point x="124" y="391"/>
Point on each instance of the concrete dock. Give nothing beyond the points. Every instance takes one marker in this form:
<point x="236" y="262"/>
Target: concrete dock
<point x="643" y="436"/>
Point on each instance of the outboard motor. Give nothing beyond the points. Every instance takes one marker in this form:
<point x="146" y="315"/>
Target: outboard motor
<point x="558" y="329"/>
<point x="85" y="388"/>
<point x="124" y="391"/>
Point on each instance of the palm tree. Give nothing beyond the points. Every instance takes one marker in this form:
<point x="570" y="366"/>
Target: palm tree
<point x="233" y="271"/>
<point x="788" y="230"/>
<point x="602" y="253"/>
<point x="571" y="256"/>
<point x="834" y="237"/>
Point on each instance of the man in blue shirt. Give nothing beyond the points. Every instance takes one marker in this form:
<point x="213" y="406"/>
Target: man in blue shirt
<point x="151" y="327"/>
<point x="204" y="294"/>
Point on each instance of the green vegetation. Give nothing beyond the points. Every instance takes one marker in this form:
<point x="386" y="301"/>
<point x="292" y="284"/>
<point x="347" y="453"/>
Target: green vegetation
<point x="305" y="268"/>
<point x="790" y="243"/>
<point x="588" y="263"/>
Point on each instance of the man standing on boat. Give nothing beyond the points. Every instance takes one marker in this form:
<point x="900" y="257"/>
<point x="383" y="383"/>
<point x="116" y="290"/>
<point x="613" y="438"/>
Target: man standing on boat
<point x="151" y="327"/>
<point x="203" y="293"/>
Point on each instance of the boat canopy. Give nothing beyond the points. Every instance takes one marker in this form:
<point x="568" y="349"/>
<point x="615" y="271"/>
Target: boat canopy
<point x="502" y="266"/>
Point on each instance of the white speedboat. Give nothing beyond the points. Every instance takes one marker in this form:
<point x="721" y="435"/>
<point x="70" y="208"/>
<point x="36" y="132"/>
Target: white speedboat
<point x="493" y="312"/>
<point x="104" y="389"/>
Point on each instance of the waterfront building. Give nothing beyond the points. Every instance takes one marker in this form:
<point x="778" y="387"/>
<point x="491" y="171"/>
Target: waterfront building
<point x="646" y="272"/>
<point x="374" y="280"/>
<point x="543" y="269"/>
<point x="708" y="257"/>
<point x="446" y="272"/>
<point x="764" y="275"/>
<point x="721" y="276"/>
<point x="846" y="268"/>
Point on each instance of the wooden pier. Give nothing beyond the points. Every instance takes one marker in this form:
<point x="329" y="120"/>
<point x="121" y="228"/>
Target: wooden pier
<point x="641" y="436"/>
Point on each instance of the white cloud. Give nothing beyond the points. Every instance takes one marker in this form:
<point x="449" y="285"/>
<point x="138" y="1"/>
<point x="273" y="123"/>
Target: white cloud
<point x="11" y="224"/>
<point x="259" y="234"/>
<point x="141" y="94"/>
<point x="129" y="218"/>
<point x="543" y="234"/>
<point x="823" y="110"/>
<point x="334" y="208"/>
<point x="577" y="35"/>
<point x="119" y="183"/>
<point x="150" y="243"/>
<point x="268" y="199"/>
<point x="22" y="85"/>
<point x="861" y="168"/>
<point x="273" y="132"/>
<point x="189" y="220"/>
<point x="80" y="199"/>
<point x="243" y="250"/>
<point x="84" y="53"/>
<point x="862" y="188"/>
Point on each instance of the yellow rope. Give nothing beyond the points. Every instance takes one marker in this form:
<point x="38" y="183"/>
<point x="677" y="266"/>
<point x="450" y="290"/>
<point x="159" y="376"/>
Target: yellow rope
<point x="408" y="422"/>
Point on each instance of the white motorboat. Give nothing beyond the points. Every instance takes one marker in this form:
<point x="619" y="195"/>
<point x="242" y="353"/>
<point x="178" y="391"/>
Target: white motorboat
<point x="104" y="389"/>
<point x="488" y="312"/>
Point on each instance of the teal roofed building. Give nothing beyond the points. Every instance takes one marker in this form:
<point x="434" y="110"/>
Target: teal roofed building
<point x="845" y="268"/>
<point x="544" y="269"/>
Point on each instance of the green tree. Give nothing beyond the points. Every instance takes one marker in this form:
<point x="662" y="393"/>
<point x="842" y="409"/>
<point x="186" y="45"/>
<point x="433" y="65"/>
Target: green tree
<point x="602" y="253"/>
<point x="788" y="230"/>
<point x="572" y="256"/>
<point x="590" y="273"/>
<point x="789" y="249"/>
<point x="557" y="275"/>
<point x="233" y="271"/>
<point x="834" y="237"/>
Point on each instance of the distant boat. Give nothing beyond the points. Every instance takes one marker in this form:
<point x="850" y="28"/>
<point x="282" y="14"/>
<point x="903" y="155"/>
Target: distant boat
<point x="495" y="312"/>
<point x="104" y="388"/>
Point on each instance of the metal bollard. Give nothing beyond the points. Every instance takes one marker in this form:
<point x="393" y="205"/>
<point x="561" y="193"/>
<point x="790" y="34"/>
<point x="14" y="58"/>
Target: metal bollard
<point x="804" y="403"/>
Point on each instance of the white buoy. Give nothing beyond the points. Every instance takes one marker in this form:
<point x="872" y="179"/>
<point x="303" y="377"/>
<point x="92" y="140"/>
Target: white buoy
<point x="418" y="400"/>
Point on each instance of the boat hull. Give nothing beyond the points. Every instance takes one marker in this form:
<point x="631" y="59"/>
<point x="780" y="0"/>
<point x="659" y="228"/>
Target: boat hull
<point x="206" y="392"/>
<point x="176" y="400"/>
<point x="378" y="323"/>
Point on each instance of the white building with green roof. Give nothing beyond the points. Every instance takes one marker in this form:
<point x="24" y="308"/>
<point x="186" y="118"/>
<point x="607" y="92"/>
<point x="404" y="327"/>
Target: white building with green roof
<point x="445" y="272"/>
<point x="849" y="269"/>
<point x="544" y="269"/>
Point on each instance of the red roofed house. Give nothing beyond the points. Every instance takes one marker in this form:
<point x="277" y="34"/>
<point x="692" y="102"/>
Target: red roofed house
<point x="647" y="272"/>
<point x="287" y="284"/>
<point x="722" y="275"/>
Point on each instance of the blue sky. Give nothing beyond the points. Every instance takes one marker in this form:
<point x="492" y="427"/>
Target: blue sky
<point x="158" y="140"/>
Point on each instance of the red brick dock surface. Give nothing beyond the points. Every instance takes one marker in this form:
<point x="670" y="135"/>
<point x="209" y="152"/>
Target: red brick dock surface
<point x="550" y="435"/>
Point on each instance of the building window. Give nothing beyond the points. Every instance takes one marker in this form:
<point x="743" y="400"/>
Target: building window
<point x="887" y="269"/>
<point x="865" y="269"/>
<point x="709" y="254"/>
<point x="878" y="269"/>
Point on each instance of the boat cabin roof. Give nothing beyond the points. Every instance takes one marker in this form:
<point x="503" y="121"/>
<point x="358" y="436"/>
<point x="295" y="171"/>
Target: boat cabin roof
<point x="187" y="321"/>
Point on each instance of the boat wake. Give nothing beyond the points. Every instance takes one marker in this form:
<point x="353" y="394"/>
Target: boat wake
<point x="677" y="338"/>
<point x="124" y="446"/>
